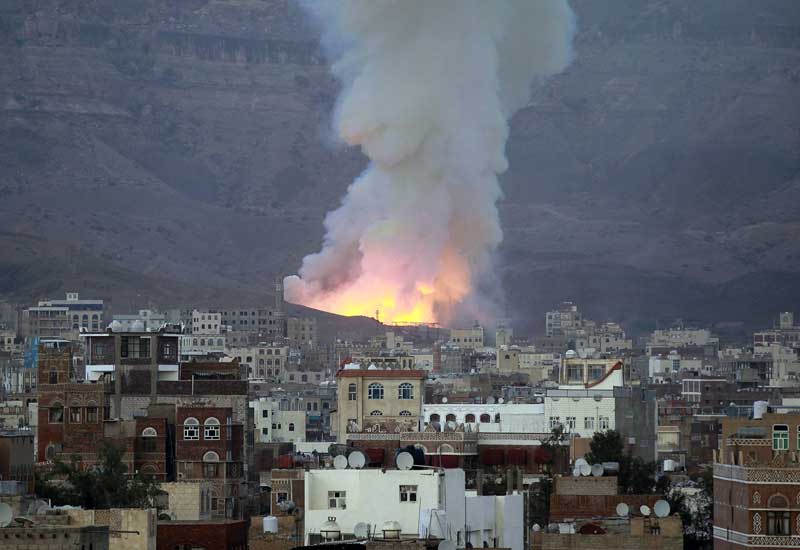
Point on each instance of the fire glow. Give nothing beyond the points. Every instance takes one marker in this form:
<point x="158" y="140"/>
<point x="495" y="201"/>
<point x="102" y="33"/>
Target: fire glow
<point x="428" y="88"/>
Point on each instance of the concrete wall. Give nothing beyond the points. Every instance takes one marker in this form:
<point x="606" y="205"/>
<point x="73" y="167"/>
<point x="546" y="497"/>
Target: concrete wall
<point x="189" y="500"/>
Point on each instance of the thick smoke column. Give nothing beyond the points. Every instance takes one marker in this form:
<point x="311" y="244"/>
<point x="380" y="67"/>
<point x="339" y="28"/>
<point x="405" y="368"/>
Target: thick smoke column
<point x="428" y="88"/>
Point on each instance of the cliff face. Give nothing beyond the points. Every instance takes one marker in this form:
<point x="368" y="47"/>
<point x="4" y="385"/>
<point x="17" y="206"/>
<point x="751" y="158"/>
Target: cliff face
<point x="183" y="147"/>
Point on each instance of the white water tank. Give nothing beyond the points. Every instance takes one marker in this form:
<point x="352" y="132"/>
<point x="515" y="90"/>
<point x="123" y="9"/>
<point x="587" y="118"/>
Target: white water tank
<point x="759" y="408"/>
<point x="270" y="524"/>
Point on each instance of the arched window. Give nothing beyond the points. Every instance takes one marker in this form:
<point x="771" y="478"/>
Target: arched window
<point x="486" y="418"/>
<point x="352" y="392"/>
<point x="261" y="373"/>
<point x="261" y="362"/>
<point x="202" y="341"/>
<point x="211" y="429"/>
<point x="469" y="419"/>
<point x="450" y="417"/>
<point x="75" y="413"/>
<point x="778" y="521"/>
<point x="76" y="322"/>
<point x="780" y="437"/>
<point x="85" y="320"/>
<point x="405" y="413"/>
<point x="291" y="426"/>
<point x="210" y="464"/>
<point x="148" y="471"/>
<point x="191" y="429"/>
<point x="194" y="341"/>
<point x="91" y="412"/>
<point x="56" y="414"/>
<point x="375" y="391"/>
<point x="376" y="413"/>
<point x="435" y="418"/>
<point x="405" y="391"/>
<point x="149" y="432"/>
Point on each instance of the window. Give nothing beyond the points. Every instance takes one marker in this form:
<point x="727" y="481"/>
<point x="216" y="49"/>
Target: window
<point x="780" y="437"/>
<point x="211" y="429"/>
<point x="405" y="413"/>
<point x="375" y="391"/>
<point x="408" y="493"/>
<point x="555" y="422"/>
<point x="291" y="426"/>
<point x="376" y="413"/>
<point x="596" y="372"/>
<point x="75" y="414"/>
<point x="604" y="423"/>
<point x="265" y="413"/>
<point x="304" y="378"/>
<point x="337" y="500"/>
<point x="149" y="440"/>
<point x="135" y="347"/>
<point x="405" y="391"/>
<point x="54" y="377"/>
<point x="778" y="520"/>
<point x="486" y="418"/>
<point x="588" y="423"/>
<point x="210" y="464"/>
<point x="351" y="392"/>
<point x="56" y="414"/>
<point x="469" y="419"/>
<point x="91" y="414"/>
<point x="264" y="431"/>
<point x="575" y="374"/>
<point x="282" y="496"/>
<point x="570" y="422"/>
<point x="168" y="349"/>
<point x="191" y="429"/>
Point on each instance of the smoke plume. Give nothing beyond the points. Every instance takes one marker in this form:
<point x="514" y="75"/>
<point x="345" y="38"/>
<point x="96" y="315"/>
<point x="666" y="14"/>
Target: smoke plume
<point x="428" y="88"/>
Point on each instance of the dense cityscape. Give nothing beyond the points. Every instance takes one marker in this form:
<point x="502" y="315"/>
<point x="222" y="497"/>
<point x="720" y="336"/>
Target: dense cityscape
<point x="244" y="427"/>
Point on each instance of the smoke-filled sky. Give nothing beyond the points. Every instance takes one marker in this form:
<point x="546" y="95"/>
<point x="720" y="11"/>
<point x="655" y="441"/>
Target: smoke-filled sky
<point x="427" y="92"/>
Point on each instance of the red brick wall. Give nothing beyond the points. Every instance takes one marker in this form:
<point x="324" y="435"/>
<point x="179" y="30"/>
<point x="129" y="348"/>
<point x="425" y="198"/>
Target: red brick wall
<point x="194" y="450"/>
<point x="230" y="535"/>
<point x="152" y="458"/>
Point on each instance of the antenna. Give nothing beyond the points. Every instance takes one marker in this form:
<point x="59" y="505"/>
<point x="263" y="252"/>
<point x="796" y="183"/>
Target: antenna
<point x="356" y="460"/>
<point x="361" y="530"/>
<point x="661" y="508"/>
<point x="340" y="462"/>
<point x="404" y="461"/>
<point x="623" y="510"/>
<point x="597" y="470"/>
<point x="645" y="510"/>
<point x="6" y="515"/>
<point x="585" y="469"/>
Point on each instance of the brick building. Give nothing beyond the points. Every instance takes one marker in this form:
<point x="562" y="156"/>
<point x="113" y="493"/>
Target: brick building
<point x="757" y="483"/>
<point x="219" y="535"/>
<point x="210" y="447"/>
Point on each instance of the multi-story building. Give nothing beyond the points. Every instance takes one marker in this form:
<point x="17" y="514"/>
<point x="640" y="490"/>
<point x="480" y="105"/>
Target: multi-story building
<point x="274" y="423"/>
<point x="263" y="321"/>
<point x="757" y="482"/>
<point x="385" y="400"/>
<point x="467" y="338"/>
<point x="484" y="417"/>
<point x="201" y="346"/>
<point x="662" y="368"/>
<point x="784" y="334"/>
<point x="62" y="318"/>
<point x="209" y="447"/>
<point x="675" y="338"/>
<point x="206" y="322"/>
<point x="388" y="361"/>
<point x="146" y="320"/>
<point x="16" y="456"/>
<point x="564" y="320"/>
<point x="263" y="361"/>
<point x="302" y="332"/>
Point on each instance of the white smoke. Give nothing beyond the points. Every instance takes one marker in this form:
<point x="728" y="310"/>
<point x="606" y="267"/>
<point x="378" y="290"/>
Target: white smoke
<point x="428" y="88"/>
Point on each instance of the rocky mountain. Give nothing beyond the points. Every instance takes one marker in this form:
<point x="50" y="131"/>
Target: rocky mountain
<point x="179" y="152"/>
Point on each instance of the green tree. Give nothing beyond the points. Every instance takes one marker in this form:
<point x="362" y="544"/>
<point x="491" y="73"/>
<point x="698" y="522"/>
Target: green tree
<point x="106" y="485"/>
<point x="605" y="446"/>
<point x="697" y="514"/>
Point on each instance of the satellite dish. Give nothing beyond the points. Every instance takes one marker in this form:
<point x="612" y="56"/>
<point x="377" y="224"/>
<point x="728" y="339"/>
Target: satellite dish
<point x="576" y="471"/>
<point x="661" y="508"/>
<point x="6" y="515"/>
<point x="536" y="528"/>
<point x="404" y="461"/>
<point x="501" y="400"/>
<point x="490" y="400"/>
<point x="444" y="400"/>
<point x="597" y="470"/>
<point x="340" y="462"/>
<point x="361" y="530"/>
<point x="622" y="510"/>
<point x="644" y="509"/>
<point x="580" y="462"/>
<point x="585" y="469"/>
<point x="356" y="460"/>
<point x="446" y="545"/>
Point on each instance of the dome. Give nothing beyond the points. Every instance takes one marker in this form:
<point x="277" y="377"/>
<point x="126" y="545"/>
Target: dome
<point x="330" y="529"/>
<point x="570" y="353"/>
<point x="391" y="529"/>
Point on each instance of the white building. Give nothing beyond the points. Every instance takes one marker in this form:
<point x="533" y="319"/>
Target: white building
<point x="563" y="320"/>
<point x="680" y="337"/>
<point x="423" y="502"/>
<point x="484" y="417"/>
<point x="271" y="424"/>
<point x="200" y="346"/>
<point x="423" y="359"/>
<point x="467" y="338"/>
<point x="669" y="367"/>
<point x="206" y="322"/>
<point x="587" y="407"/>
<point x="262" y="362"/>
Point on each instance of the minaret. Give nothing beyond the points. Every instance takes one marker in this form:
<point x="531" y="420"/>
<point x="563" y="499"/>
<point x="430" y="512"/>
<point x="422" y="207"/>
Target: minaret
<point x="280" y="315"/>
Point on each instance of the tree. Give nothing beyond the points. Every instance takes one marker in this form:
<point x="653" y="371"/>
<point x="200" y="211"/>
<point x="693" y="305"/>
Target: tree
<point x="103" y="486"/>
<point x="696" y="511"/>
<point x="605" y="446"/>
